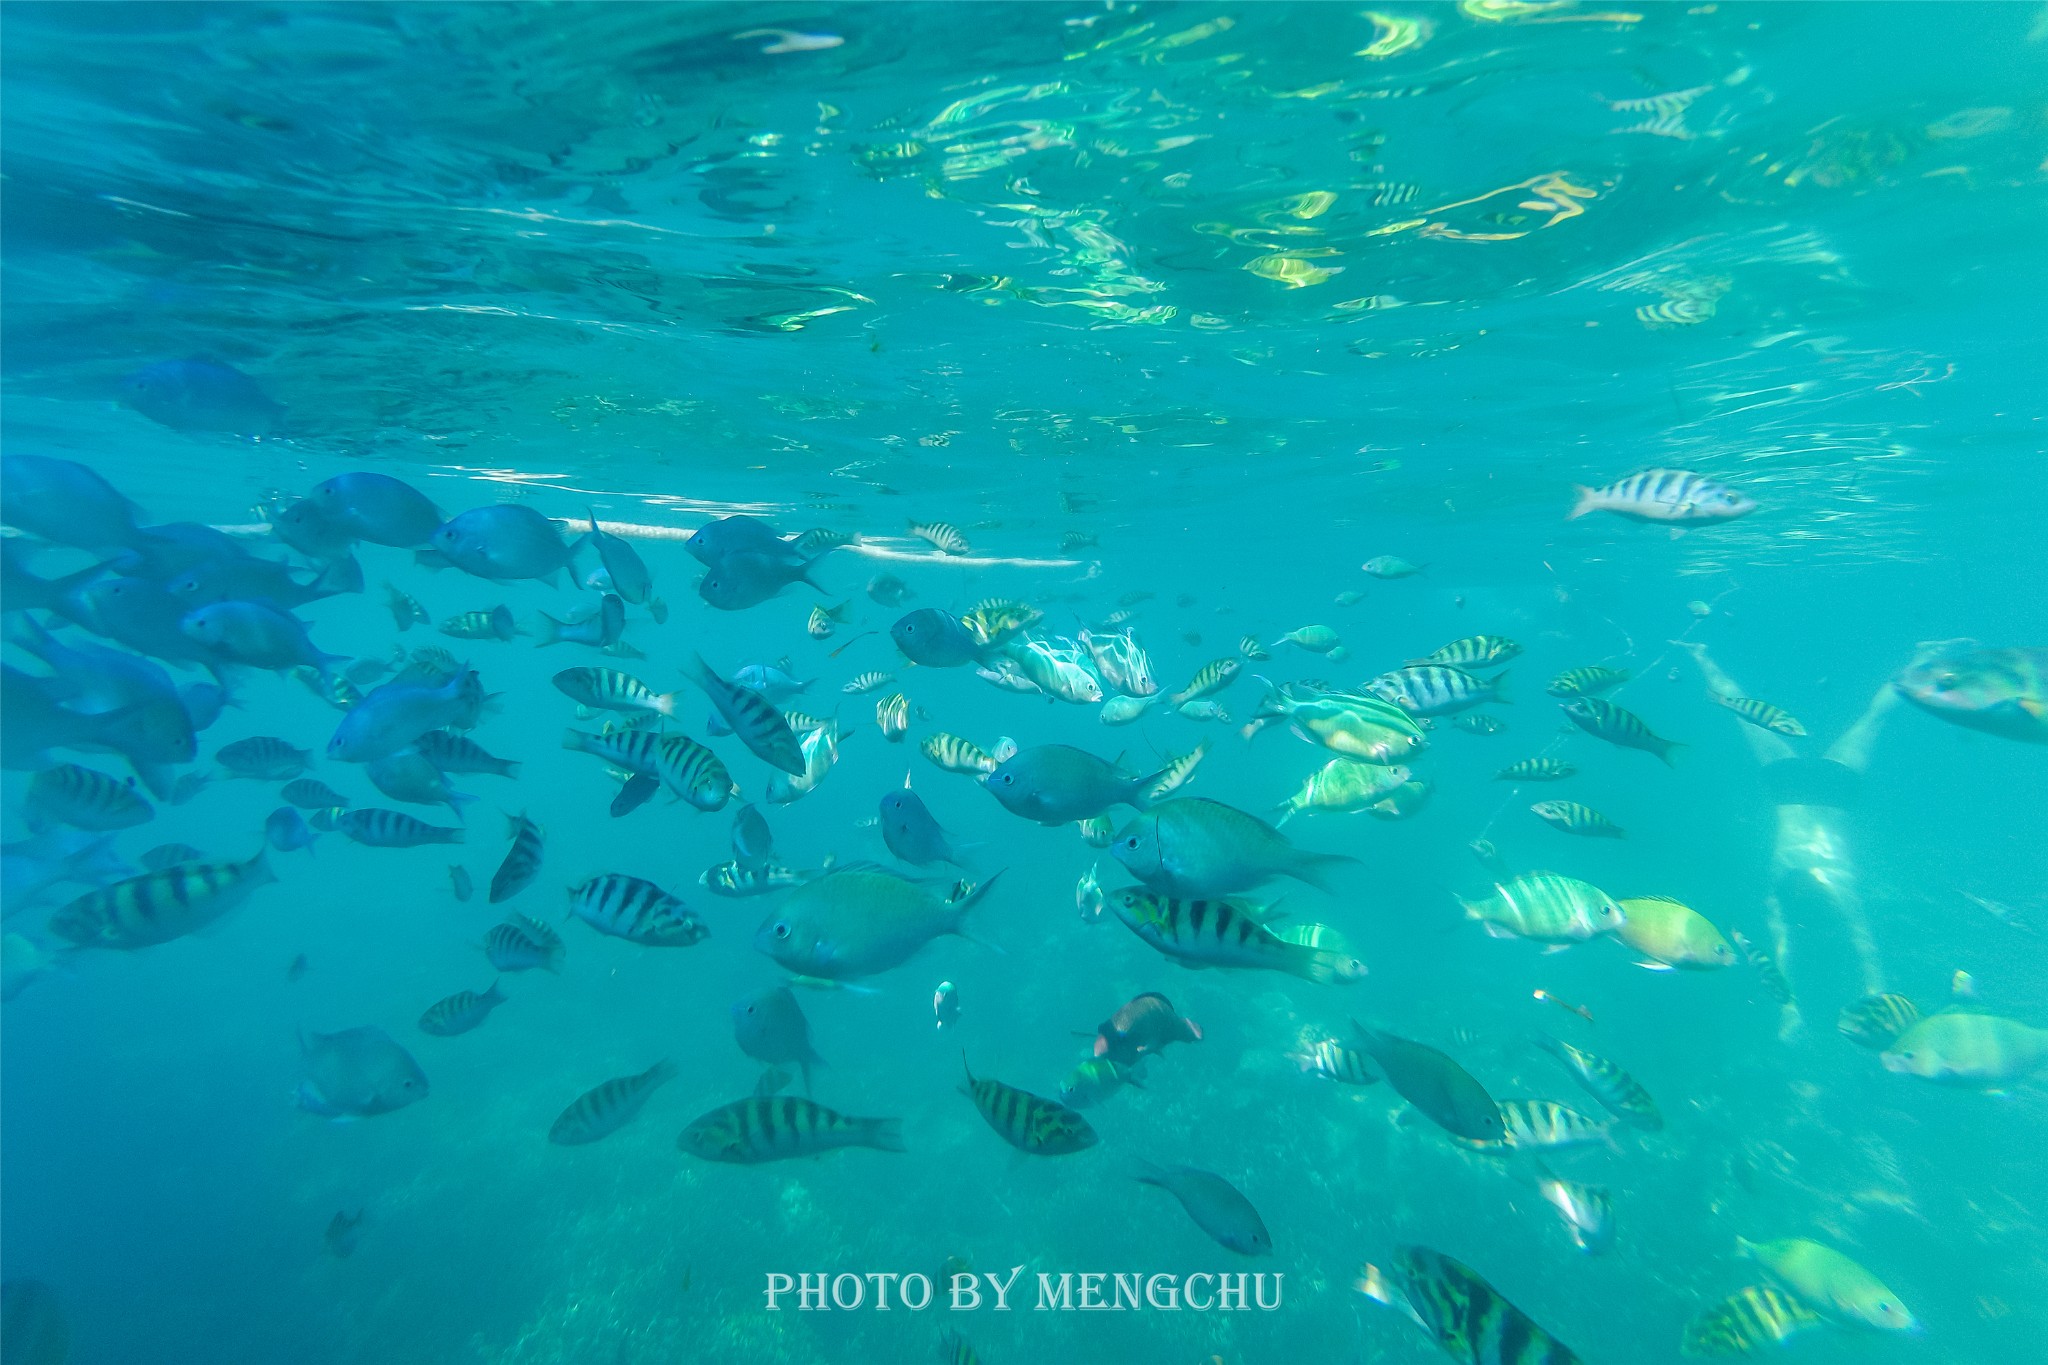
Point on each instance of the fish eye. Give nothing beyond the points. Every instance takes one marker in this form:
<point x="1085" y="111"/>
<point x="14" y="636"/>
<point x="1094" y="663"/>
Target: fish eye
<point x="782" y="928"/>
<point x="1132" y="843"/>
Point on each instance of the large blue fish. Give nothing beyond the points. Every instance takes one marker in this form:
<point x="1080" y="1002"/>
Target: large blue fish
<point x="202" y="395"/>
<point x="377" y="508"/>
<point x="63" y="501"/>
<point x="502" y="542"/>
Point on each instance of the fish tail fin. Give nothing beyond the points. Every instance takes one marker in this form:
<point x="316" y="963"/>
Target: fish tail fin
<point x="548" y="632"/>
<point x="575" y="741"/>
<point x="494" y="993"/>
<point x="1146" y="1172"/>
<point x="1744" y="1247"/>
<point x="1141" y="787"/>
<point x="1315" y="868"/>
<point x="341" y="575"/>
<point x="1584" y="504"/>
<point x="884" y="1135"/>
<point x="1670" y="745"/>
<point x="662" y="1072"/>
<point x="1498" y="686"/>
<point x="665" y="704"/>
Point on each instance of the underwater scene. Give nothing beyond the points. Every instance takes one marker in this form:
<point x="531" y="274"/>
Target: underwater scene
<point x="1201" y="684"/>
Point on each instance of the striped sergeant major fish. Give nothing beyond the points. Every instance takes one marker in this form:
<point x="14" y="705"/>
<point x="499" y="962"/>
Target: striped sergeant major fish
<point x="635" y="910"/>
<point x="607" y="689"/>
<point x="1031" y="1123"/>
<point x="1541" y="1126"/>
<point x="1437" y="689"/>
<point x="1586" y="682"/>
<point x="688" y="769"/>
<point x="941" y="536"/>
<point x="1220" y="933"/>
<point x="865" y="682"/>
<point x="1177" y="773"/>
<point x="1767" y="971"/>
<point x="776" y="1128"/>
<point x="1618" y="1092"/>
<point x="1333" y="1061"/>
<point x="1672" y="496"/>
<point x="1465" y="1315"/>
<point x="956" y="755"/>
<point x="1618" y="726"/>
<point x="993" y="620"/>
<point x="83" y="798"/>
<point x="1536" y="770"/>
<point x="599" y="1112"/>
<point x="758" y="724"/>
<point x="381" y="827"/>
<point x="1875" y="1020"/>
<point x="1763" y="715"/>
<point x="1573" y="818"/>
<point x="157" y="907"/>
<point x="1251" y="649"/>
<point x="1587" y="1210"/>
<point x="454" y="753"/>
<point x="523" y="943"/>
<point x="736" y="879"/>
<point x="1474" y="651"/>
<point x="495" y="624"/>
<point x="1745" y="1322"/>
<point x="460" y="1012"/>
<point x="522" y="860"/>
<point x="1209" y="679"/>
<point x="892" y="717"/>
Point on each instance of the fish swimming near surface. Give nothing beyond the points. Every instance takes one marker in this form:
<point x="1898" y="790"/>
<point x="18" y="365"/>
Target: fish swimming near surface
<point x="936" y="639"/>
<point x="503" y="542"/>
<point x="380" y="509"/>
<point x="1678" y="498"/>
<point x="357" y="1073"/>
<point x="604" y="1109"/>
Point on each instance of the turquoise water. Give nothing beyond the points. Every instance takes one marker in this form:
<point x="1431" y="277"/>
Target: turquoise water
<point x="1211" y="304"/>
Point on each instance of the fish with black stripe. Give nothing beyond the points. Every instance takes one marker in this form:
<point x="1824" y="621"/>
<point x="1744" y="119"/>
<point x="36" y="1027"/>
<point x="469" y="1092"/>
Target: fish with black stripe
<point x="1437" y="689"/>
<point x="1474" y="651"/>
<point x="1763" y="715"/>
<point x="522" y="860"/>
<point x="941" y="536"/>
<point x="83" y="798"/>
<point x="635" y="910"/>
<point x="1618" y="1092"/>
<point x="1675" y="497"/>
<point x="1219" y="933"/>
<point x="460" y="1012"/>
<point x="1618" y="726"/>
<point x="688" y="769"/>
<point x="523" y="943"/>
<point x="1536" y="770"/>
<point x="777" y="1128"/>
<point x="157" y="907"/>
<point x="1573" y="818"/>
<point x="454" y="753"/>
<point x="381" y="827"/>
<point x="1031" y="1123"/>
<point x="1745" y="1322"/>
<point x="601" y="1111"/>
<point x="1875" y="1020"/>
<point x="758" y="724"/>
<point x="1468" y="1318"/>
<point x="1767" y="971"/>
<point x="607" y="689"/>
<point x="1589" y="681"/>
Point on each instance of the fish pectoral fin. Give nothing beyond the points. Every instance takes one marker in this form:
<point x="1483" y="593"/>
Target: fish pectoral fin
<point x="1656" y="966"/>
<point x="1495" y="930"/>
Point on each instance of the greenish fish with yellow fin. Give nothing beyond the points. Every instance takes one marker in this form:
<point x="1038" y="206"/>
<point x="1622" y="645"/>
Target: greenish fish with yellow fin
<point x="1830" y="1284"/>
<point x="1672" y="935"/>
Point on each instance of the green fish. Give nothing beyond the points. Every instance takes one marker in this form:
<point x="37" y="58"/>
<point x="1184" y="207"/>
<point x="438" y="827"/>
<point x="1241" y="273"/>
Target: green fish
<point x="1977" y="1051"/>
<point x="1830" y="1284"/>
<point x="1343" y="785"/>
<point x="1546" y="907"/>
<point x="862" y="920"/>
<point x="1192" y="846"/>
